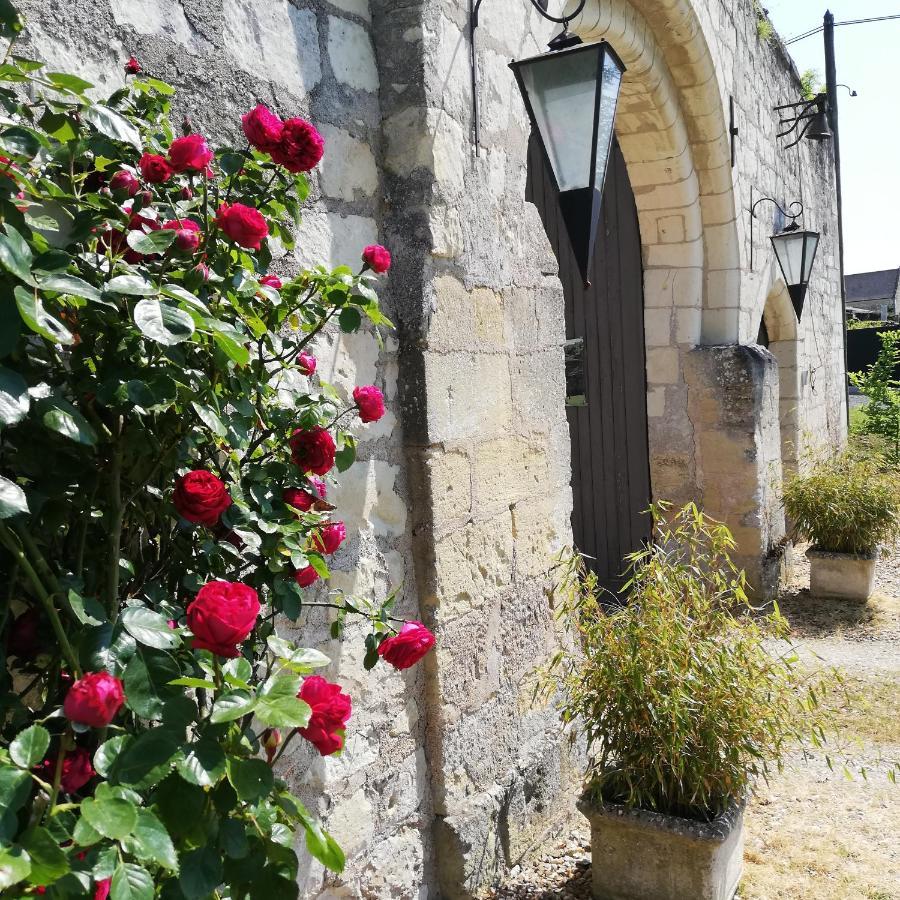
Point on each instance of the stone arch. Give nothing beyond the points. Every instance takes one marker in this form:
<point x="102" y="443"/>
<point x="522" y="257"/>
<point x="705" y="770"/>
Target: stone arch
<point x="672" y="130"/>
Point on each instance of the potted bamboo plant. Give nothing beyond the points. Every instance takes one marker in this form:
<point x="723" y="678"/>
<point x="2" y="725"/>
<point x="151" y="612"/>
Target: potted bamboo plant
<point x="682" y="707"/>
<point x="845" y="508"/>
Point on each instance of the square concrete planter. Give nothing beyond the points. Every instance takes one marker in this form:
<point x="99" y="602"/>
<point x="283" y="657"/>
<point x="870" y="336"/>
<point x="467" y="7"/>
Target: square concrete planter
<point x="846" y="575"/>
<point x="638" y="855"/>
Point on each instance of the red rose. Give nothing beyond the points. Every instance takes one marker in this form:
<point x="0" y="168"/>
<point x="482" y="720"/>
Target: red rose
<point x="312" y="450"/>
<point x="201" y="497"/>
<point x="101" y="892"/>
<point x="377" y="258"/>
<point x="329" y="537"/>
<point x="272" y="281"/>
<point x="305" y="577"/>
<point x="24" y="635"/>
<point x="190" y="153"/>
<point x="243" y="224"/>
<point x="306" y="362"/>
<point x="263" y="128"/>
<point x="407" y="648"/>
<point x="154" y="168"/>
<point x="331" y="708"/>
<point x="370" y="401"/>
<point x="298" y="498"/>
<point x="125" y="182"/>
<point x="300" y="146"/>
<point x="187" y="237"/>
<point x="270" y="740"/>
<point x="94" y="699"/>
<point x="77" y="770"/>
<point x="132" y="67"/>
<point x="221" y="616"/>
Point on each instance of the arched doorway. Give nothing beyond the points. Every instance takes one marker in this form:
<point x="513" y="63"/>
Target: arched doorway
<point x="606" y="380"/>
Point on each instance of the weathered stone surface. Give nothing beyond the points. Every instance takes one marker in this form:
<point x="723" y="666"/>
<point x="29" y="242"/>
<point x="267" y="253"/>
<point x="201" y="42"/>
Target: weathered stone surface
<point x="348" y="167"/>
<point x="350" y="54"/>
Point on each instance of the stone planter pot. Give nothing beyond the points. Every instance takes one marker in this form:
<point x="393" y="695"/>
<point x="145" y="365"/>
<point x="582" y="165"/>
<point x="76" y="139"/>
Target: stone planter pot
<point x="846" y="575"/>
<point x="638" y="855"/>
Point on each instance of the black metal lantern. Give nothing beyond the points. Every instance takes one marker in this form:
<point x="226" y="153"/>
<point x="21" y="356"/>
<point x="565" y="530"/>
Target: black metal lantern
<point x="571" y="95"/>
<point x="795" y="250"/>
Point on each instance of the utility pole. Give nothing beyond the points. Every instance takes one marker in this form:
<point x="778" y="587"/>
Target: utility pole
<point x="832" y="94"/>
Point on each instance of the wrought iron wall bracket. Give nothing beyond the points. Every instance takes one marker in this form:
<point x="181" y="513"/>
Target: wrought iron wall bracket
<point x="788" y="215"/>
<point x="800" y="117"/>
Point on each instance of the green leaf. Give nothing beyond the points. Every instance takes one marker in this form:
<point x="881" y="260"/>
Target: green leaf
<point x="232" y="706"/>
<point x="114" y="126"/>
<point x="11" y="23"/>
<point x="113" y="818"/>
<point x="148" y="760"/>
<point x="233" y="349"/>
<point x="150" y="842"/>
<point x="29" y="746"/>
<point x="64" y="419"/>
<point x="70" y="284"/>
<point x="15" y="866"/>
<point x="33" y="314"/>
<point x="349" y="319"/>
<point x="203" y="763"/>
<point x="283" y="712"/>
<point x="131" y="882"/>
<point x="251" y="778"/>
<point x="15" y="254"/>
<point x="68" y="82"/>
<point x="201" y="873"/>
<point x="20" y="141"/>
<point x="149" y="628"/>
<point x="48" y="861"/>
<point x="12" y="499"/>
<point x="147" y="683"/>
<point x="346" y="456"/>
<point x="194" y="683"/>
<point x="299" y="659"/>
<point x="159" y="86"/>
<point x="108" y="752"/>
<point x="162" y="322"/>
<point x="10" y="320"/>
<point x="84" y="835"/>
<point x="88" y="610"/>
<point x="14" y="399"/>
<point x="210" y="419"/>
<point x="233" y="838"/>
<point x="324" y="847"/>
<point x="132" y="285"/>
<point x="154" y="242"/>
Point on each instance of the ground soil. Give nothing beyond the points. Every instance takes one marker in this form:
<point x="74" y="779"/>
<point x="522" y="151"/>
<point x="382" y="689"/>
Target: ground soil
<point x="813" y="833"/>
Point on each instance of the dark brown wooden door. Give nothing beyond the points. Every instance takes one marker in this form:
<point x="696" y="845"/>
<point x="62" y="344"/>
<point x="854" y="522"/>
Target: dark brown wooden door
<point x="606" y="373"/>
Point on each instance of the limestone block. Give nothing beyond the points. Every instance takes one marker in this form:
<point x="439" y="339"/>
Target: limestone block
<point x="351" y="823"/>
<point x="657" y="327"/>
<point x="331" y="239"/>
<point x="538" y="535"/>
<point x="656" y="402"/>
<point x="662" y="365"/>
<point x="449" y="164"/>
<point x="357" y="7"/>
<point x="274" y="40"/>
<point x="348" y="166"/>
<point x="367" y="498"/>
<point x="449" y="475"/>
<point x="687" y="326"/>
<point x="351" y="55"/>
<point x="408" y="143"/>
<point x="102" y="66"/>
<point x="452" y="320"/>
<point x="505" y="470"/>
<point x="162" y="17"/>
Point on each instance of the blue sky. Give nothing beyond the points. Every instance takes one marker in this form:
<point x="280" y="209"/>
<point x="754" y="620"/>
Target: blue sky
<point x="868" y="60"/>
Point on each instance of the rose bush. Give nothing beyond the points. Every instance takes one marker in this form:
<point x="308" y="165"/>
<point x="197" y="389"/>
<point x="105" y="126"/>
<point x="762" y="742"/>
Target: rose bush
<point x="163" y="445"/>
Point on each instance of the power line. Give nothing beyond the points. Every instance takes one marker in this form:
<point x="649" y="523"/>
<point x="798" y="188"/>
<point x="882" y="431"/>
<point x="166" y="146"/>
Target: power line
<point x="813" y="31"/>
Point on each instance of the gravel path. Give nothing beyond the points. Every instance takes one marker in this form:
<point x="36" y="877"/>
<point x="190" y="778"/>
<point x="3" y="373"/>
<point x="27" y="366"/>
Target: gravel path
<point x="811" y="834"/>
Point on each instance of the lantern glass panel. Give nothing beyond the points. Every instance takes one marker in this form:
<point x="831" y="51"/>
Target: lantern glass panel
<point x="606" y="117"/>
<point x="562" y="89"/>
<point x="796" y="251"/>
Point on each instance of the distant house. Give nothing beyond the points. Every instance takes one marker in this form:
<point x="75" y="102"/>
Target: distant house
<point x="873" y="295"/>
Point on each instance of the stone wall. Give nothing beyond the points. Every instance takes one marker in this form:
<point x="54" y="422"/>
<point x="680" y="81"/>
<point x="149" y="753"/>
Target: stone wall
<point x="461" y="495"/>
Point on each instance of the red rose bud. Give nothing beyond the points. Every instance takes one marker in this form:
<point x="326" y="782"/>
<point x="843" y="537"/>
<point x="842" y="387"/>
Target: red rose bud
<point x="245" y="225"/>
<point x="190" y="153"/>
<point x="201" y="497"/>
<point x="24" y="635"/>
<point x="408" y="647"/>
<point x="77" y="770"/>
<point x="94" y="700"/>
<point x="306" y="362"/>
<point x="187" y="234"/>
<point x="155" y="169"/>
<point x="370" y="401"/>
<point x="221" y="616"/>
<point x="300" y="146"/>
<point x="305" y="577"/>
<point x="186" y="193"/>
<point x="103" y="192"/>
<point x="101" y="892"/>
<point x="262" y="128"/>
<point x="201" y="271"/>
<point x="271" y="740"/>
<point x="377" y="258"/>
<point x="132" y="67"/>
<point x="272" y="281"/>
<point x="329" y="537"/>
<point x="312" y="450"/>
<point x="331" y="708"/>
